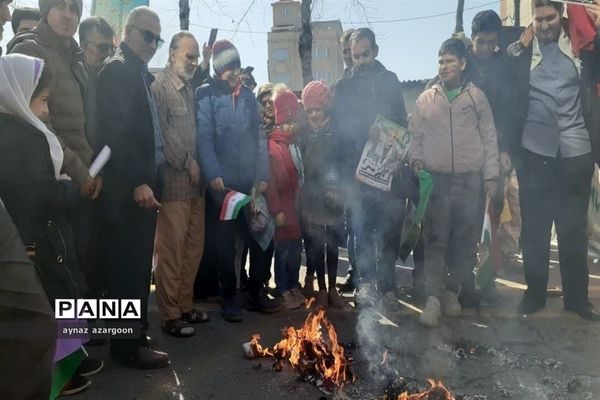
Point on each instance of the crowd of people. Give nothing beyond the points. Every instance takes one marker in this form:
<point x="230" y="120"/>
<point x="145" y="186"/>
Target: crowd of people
<point x="182" y="141"/>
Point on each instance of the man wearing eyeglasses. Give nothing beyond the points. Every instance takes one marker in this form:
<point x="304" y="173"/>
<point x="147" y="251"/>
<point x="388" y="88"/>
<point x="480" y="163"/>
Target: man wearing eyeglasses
<point x="96" y="38"/>
<point x="128" y="122"/>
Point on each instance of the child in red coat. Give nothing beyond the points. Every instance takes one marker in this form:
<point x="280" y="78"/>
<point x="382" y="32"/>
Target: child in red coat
<point x="282" y="198"/>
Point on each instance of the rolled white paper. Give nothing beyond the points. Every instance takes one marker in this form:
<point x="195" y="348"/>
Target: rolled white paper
<point x="100" y="161"/>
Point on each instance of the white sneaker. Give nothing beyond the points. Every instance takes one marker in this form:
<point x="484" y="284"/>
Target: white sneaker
<point x="366" y="294"/>
<point x="289" y="301"/>
<point x="451" y="307"/>
<point x="431" y="313"/>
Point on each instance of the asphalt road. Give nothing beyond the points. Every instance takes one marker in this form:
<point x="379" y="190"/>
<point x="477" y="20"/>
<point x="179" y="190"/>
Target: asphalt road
<point x="491" y="354"/>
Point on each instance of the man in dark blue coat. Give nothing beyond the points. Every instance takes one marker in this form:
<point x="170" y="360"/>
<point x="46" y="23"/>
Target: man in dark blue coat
<point x="232" y="151"/>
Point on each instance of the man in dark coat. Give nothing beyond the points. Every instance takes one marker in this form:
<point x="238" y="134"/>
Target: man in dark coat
<point x="369" y="90"/>
<point x="553" y="139"/>
<point x="128" y="123"/>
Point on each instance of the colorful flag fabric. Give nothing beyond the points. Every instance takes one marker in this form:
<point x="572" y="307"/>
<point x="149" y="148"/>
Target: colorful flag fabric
<point x="412" y="225"/>
<point x="64" y="370"/>
<point x="232" y="204"/>
<point x="485" y="268"/>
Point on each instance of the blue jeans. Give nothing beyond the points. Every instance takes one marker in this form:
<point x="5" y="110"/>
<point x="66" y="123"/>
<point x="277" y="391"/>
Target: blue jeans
<point x="288" y="255"/>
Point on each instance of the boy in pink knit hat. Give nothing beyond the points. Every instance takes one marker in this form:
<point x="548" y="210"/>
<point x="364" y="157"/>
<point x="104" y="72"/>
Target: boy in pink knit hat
<point x="322" y="209"/>
<point x="282" y="196"/>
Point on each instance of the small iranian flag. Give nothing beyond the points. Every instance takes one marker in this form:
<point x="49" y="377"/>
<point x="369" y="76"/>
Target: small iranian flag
<point x="232" y="204"/>
<point x="486" y="268"/>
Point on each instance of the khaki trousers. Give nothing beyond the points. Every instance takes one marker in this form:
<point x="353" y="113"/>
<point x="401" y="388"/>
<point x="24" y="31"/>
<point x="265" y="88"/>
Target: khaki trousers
<point x="178" y="250"/>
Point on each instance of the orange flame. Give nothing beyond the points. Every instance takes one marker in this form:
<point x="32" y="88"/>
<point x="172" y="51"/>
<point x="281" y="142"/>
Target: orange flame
<point x="436" y="391"/>
<point x="309" y="302"/>
<point x="315" y="345"/>
<point x="257" y="349"/>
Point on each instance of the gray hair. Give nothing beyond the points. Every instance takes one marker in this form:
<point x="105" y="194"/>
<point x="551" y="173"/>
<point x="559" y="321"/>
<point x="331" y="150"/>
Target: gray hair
<point x="174" y="45"/>
<point x="139" y="12"/>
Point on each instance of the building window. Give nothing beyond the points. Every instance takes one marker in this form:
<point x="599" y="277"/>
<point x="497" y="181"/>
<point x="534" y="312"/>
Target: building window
<point x="281" y="54"/>
<point x="320" y="52"/>
<point x="284" y="11"/>
<point x="322" y="76"/>
<point x="281" y="78"/>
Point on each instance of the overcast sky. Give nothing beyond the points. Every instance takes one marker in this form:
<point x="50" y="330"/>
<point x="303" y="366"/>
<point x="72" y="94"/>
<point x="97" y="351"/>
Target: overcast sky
<point x="408" y="47"/>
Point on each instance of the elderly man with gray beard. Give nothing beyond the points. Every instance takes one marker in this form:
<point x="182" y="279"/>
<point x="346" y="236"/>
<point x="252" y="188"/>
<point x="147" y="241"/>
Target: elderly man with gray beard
<point x="179" y="240"/>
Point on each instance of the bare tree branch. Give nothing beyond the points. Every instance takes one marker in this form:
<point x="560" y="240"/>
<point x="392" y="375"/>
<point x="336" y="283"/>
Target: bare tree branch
<point x="460" y="9"/>
<point x="184" y="15"/>
<point x="305" y="42"/>
<point x="237" y="26"/>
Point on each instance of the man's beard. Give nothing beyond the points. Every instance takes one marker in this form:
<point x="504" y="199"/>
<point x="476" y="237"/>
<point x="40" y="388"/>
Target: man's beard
<point x="183" y="73"/>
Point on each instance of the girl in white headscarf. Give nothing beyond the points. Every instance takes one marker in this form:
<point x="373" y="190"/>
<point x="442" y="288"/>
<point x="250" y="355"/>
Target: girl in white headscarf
<point x="30" y="162"/>
<point x="22" y="96"/>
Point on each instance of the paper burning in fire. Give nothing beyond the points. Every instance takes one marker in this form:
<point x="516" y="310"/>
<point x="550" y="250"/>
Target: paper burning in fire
<point x="313" y="350"/>
<point x="437" y="391"/>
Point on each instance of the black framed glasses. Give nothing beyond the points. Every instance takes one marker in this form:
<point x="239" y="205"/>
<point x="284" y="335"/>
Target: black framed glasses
<point x="150" y="37"/>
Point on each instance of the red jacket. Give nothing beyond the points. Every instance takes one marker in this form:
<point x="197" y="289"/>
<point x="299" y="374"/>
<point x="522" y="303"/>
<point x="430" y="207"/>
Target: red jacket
<point x="282" y="192"/>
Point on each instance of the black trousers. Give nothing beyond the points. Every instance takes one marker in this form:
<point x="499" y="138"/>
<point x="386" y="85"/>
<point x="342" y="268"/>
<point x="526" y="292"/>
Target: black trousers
<point x="207" y="278"/>
<point x="130" y="246"/>
<point x="225" y="233"/>
<point x="86" y="219"/>
<point x="555" y="190"/>
<point x="264" y="259"/>
<point x="322" y="244"/>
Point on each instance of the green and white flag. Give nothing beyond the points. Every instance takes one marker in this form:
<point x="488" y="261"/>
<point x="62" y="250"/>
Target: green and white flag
<point x="485" y="268"/>
<point x="232" y="204"/>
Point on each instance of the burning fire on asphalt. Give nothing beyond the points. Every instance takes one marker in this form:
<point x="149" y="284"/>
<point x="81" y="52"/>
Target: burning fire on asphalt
<point x="313" y="350"/>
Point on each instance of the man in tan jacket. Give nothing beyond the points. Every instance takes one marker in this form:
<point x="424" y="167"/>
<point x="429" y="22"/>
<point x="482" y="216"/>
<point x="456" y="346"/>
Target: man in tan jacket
<point x="52" y="40"/>
<point x="454" y="138"/>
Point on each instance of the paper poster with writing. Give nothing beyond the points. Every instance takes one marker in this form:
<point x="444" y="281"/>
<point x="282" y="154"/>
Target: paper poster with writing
<point x="383" y="153"/>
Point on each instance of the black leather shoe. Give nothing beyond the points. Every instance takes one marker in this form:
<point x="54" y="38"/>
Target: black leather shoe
<point x="527" y="306"/>
<point x="587" y="312"/>
<point x="262" y="303"/>
<point x="145" y="358"/>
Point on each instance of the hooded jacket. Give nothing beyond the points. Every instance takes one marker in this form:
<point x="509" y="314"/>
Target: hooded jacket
<point x="67" y="93"/>
<point x="454" y="137"/>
